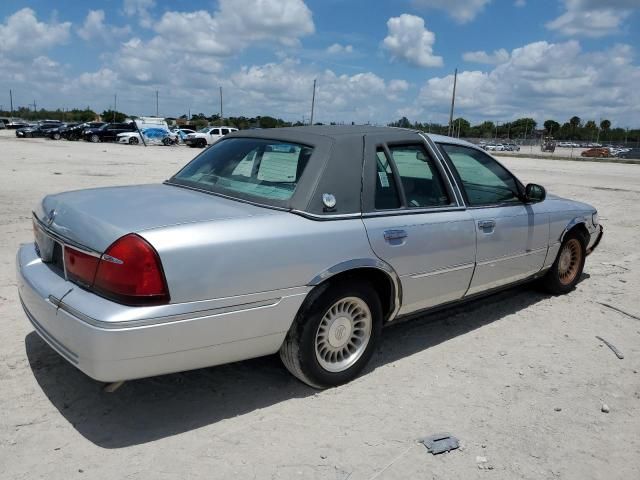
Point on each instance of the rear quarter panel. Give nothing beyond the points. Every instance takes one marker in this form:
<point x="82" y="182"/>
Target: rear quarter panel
<point x="241" y="256"/>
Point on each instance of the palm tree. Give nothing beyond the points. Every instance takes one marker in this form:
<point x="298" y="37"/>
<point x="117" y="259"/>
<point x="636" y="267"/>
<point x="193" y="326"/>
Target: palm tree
<point x="605" y="125"/>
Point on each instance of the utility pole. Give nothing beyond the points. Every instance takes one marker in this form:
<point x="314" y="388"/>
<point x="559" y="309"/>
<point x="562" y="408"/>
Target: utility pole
<point x="11" y="101"/>
<point x="458" y="128"/>
<point x="453" y="101"/>
<point x="35" y="106"/>
<point x="497" y="123"/>
<point x="115" y="106"/>
<point x="313" y="102"/>
<point x="157" y="115"/>
<point x="220" y="106"/>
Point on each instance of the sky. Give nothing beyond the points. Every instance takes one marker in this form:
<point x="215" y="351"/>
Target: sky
<point x="374" y="61"/>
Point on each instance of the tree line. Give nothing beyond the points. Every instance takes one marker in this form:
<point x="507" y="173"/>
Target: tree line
<point x="526" y="128"/>
<point x="520" y="129"/>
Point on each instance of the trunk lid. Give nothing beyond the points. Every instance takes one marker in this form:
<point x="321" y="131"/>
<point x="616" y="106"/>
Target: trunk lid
<point x="97" y="217"/>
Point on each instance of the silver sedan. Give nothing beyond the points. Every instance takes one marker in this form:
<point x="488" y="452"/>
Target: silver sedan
<point x="303" y="241"/>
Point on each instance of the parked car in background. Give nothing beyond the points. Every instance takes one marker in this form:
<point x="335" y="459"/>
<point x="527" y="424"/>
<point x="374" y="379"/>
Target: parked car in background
<point x="56" y="133"/>
<point x="182" y="133"/>
<point x="207" y="136"/>
<point x="303" y="241"/>
<point x="630" y="153"/>
<point x="107" y="132"/>
<point x="76" y="132"/>
<point x="596" y="152"/>
<point x="16" y="124"/>
<point x="40" y="129"/>
<point x="511" y="147"/>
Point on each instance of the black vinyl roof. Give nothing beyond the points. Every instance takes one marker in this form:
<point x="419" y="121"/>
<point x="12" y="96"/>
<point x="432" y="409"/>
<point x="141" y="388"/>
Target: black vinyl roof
<point x="336" y="165"/>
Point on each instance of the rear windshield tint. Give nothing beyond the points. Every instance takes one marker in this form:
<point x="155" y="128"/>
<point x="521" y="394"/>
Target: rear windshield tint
<point x="264" y="169"/>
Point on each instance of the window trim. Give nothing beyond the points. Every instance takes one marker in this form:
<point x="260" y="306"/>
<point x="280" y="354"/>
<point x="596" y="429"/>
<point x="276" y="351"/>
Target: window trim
<point x="369" y="204"/>
<point x="460" y="185"/>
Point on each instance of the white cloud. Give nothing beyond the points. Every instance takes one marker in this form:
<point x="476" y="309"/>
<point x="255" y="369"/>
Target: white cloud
<point x="592" y="18"/>
<point x="94" y="27"/>
<point x="103" y="79"/>
<point x="237" y="24"/>
<point x="495" y="58"/>
<point x="286" y="87"/>
<point x="462" y="11"/>
<point x="409" y="40"/>
<point x="544" y="80"/>
<point x="397" y="86"/>
<point x="141" y="10"/>
<point x="23" y="35"/>
<point x="337" y="49"/>
<point x="520" y="3"/>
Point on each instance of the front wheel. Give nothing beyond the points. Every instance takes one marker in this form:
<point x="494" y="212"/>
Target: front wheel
<point x="333" y="335"/>
<point x="566" y="270"/>
<point x="94" y="138"/>
<point x="133" y="141"/>
<point x="56" y="136"/>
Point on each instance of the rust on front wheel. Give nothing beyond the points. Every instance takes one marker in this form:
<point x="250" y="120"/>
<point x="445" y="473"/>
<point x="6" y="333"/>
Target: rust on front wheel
<point x="569" y="262"/>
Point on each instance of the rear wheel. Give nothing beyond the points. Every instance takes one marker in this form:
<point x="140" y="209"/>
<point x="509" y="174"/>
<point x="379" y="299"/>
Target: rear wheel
<point x="333" y="335"/>
<point x="56" y="136"/>
<point x="566" y="270"/>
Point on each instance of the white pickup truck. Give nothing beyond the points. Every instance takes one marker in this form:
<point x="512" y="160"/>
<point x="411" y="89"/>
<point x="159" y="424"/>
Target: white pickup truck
<point x="207" y="136"/>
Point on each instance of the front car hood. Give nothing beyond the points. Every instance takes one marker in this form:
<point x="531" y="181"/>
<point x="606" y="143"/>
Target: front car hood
<point x="97" y="217"/>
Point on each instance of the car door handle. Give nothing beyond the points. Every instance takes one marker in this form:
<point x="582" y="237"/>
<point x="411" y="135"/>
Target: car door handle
<point x="487" y="226"/>
<point x="395" y="235"/>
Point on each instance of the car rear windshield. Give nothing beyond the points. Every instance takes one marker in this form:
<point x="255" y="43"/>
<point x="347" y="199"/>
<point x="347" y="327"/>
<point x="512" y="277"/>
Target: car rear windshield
<point x="251" y="167"/>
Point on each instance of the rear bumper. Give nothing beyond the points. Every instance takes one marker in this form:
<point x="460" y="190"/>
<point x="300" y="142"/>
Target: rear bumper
<point x="111" y="342"/>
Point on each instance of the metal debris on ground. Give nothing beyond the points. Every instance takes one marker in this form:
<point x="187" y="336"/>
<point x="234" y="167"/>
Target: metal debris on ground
<point x="604" y="408"/>
<point x="612" y="347"/>
<point x="619" y="310"/>
<point x="440" y="443"/>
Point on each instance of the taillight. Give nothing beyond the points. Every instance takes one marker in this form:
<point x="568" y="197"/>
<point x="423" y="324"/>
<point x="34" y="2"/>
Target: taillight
<point x="130" y="272"/>
<point x="80" y="266"/>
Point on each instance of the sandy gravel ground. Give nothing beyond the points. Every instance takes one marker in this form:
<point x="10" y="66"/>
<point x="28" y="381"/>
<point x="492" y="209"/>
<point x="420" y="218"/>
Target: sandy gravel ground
<point x="519" y="377"/>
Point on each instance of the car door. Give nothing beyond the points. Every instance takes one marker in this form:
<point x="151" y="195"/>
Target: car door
<point x="415" y="222"/>
<point x="512" y="236"/>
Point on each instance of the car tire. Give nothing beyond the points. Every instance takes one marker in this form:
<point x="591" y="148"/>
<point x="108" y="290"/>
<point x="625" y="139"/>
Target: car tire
<point x="567" y="268"/>
<point x="202" y="143"/>
<point x="333" y="335"/>
<point x="56" y="136"/>
<point x="133" y="141"/>
<point x="94" y="138"/>
<point x="166" y="141"/>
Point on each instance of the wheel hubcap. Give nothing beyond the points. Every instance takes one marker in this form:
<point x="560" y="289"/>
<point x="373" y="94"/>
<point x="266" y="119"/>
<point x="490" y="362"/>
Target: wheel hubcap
<point x="343" y="334"/>
<point x="569" y="261"/>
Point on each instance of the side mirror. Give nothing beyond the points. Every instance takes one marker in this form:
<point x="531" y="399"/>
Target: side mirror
<point x="534" y="193"/>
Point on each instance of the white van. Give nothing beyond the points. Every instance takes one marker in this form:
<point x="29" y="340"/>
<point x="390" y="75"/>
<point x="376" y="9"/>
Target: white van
<point x="154" y="130"/>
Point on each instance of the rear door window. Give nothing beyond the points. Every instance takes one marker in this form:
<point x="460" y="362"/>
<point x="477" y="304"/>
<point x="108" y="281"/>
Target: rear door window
<point x="421" y="181"/>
